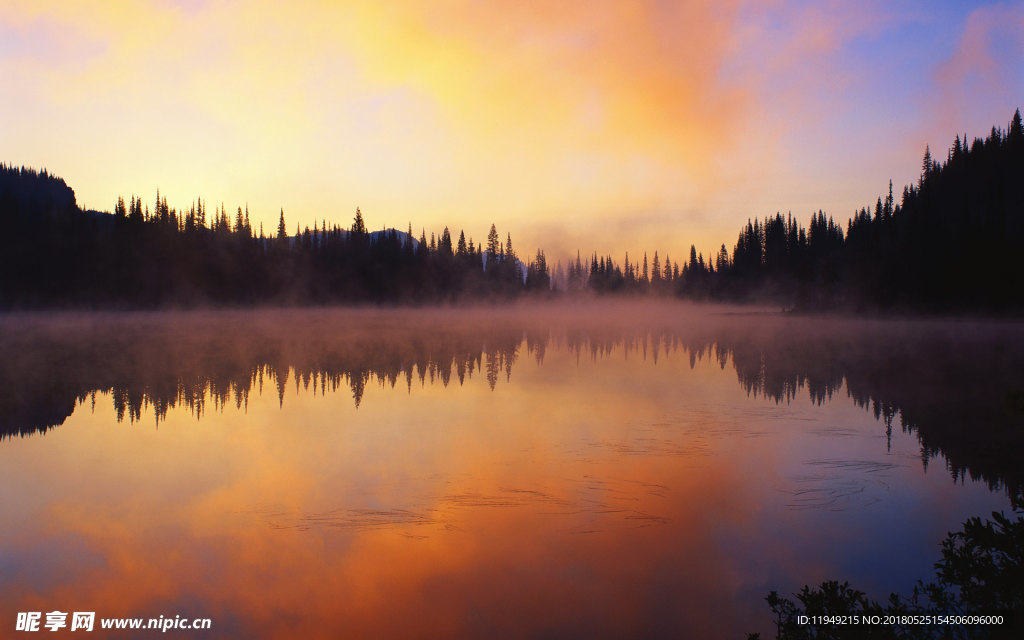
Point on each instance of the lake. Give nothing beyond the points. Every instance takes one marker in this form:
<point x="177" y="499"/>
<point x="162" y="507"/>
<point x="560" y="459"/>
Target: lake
<point x="587" y="470"/>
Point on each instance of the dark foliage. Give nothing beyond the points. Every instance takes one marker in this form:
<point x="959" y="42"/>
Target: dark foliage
<point x="981" y="573"/>
<point x="951" y="244"/>
<point x="59" y="256"/>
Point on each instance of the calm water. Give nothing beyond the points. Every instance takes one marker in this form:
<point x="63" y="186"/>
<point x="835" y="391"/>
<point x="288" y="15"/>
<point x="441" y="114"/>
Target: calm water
<point x="594" y="471"/>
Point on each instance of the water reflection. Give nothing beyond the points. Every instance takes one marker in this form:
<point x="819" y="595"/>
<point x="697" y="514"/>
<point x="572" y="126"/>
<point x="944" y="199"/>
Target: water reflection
<point x="488" y="472"/>
<point x="958" y="386"/>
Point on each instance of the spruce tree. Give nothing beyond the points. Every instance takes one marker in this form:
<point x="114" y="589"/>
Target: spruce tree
<point x="358" y="226"/>
<point x="492" y="244"/>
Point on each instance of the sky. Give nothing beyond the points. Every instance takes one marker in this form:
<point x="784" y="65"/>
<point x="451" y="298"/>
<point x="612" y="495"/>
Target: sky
<point x="608" y="126"/>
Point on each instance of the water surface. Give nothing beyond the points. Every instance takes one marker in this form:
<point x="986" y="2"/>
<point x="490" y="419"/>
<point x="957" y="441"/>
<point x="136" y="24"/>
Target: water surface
<point x="518" y="472"/>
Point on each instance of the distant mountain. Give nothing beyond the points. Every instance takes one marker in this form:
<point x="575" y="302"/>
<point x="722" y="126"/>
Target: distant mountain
<point x="26" y="193"/>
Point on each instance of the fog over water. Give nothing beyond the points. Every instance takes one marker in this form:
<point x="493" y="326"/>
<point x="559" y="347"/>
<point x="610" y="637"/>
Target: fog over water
<point x="560" y="469"/>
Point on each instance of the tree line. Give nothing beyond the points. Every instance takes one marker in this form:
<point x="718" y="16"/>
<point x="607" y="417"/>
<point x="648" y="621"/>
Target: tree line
<point x="951" y="242"/>
<point x="59" y="255"/>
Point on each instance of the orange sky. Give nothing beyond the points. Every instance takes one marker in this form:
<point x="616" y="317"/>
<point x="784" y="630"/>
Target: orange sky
<point x="613" y="126"/>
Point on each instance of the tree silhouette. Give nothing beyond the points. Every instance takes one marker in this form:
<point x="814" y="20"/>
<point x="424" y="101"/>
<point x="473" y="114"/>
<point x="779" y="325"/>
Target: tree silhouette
<point x="948" y="244"/>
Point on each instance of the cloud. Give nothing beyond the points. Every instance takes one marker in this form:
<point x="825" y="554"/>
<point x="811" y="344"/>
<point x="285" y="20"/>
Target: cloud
<point x="675" y="121"/>
<point x="985" y="71"/>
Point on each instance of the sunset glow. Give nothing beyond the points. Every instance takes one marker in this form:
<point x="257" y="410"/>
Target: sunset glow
<point x="614" y="127"/>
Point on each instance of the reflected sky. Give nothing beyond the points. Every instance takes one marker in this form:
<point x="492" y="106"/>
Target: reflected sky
<point x="603" y="492"/>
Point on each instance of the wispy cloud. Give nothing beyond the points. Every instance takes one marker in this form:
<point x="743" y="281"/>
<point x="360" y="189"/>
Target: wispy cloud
<point x="635" y="122"/>
<point x="986" y="69"/>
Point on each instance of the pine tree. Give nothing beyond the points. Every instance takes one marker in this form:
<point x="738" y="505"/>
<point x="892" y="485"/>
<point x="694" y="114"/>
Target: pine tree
<point x="446" y="242"/>
<point x="1016" y="131"/>
<point x="358" y="226"/>
<point x="282" y="231"/>
<point x="492" y="244"/>
<point x="722" y="261"/>
<point x="926" y="166"/>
